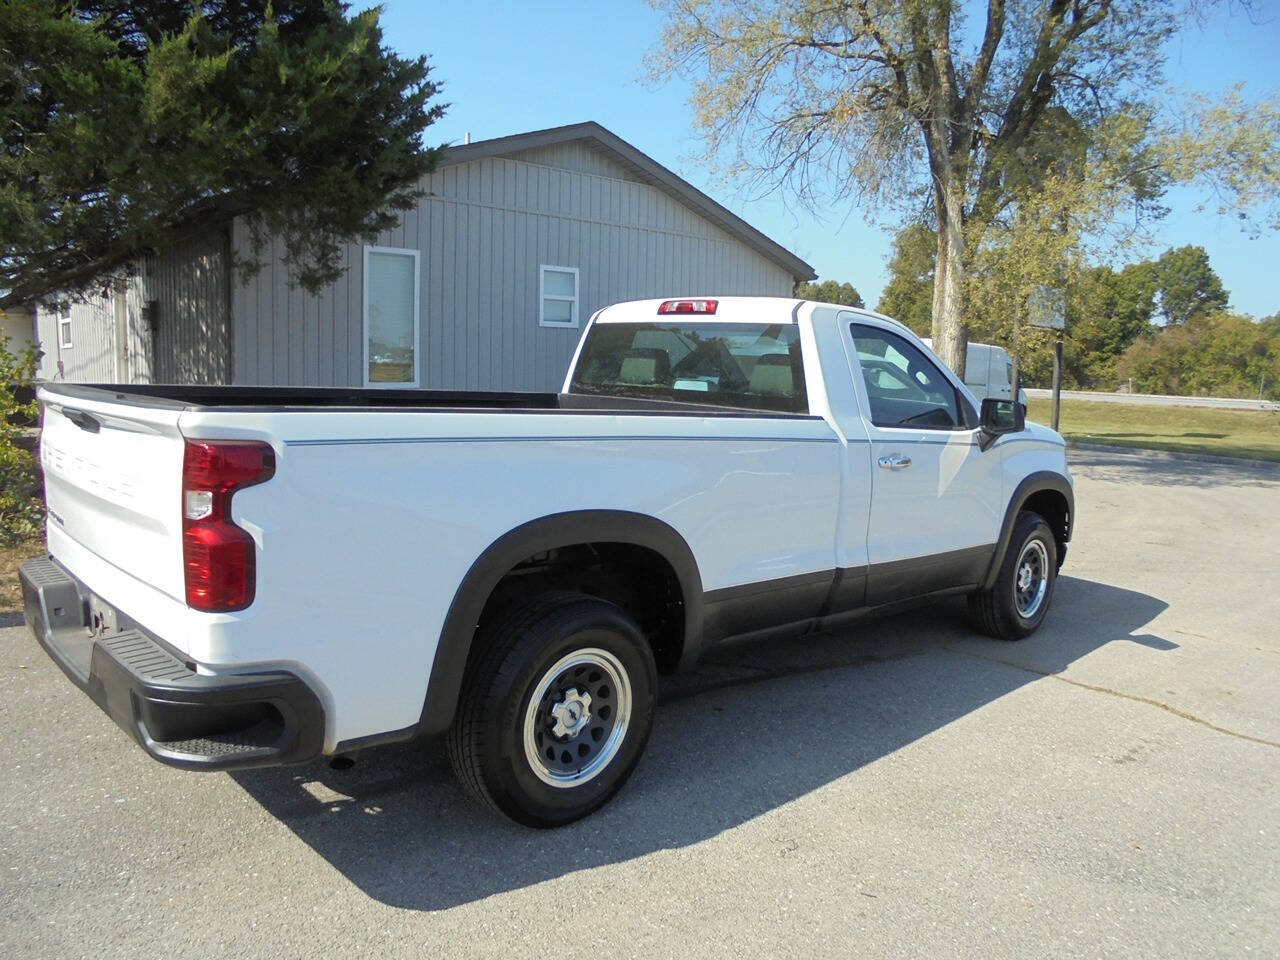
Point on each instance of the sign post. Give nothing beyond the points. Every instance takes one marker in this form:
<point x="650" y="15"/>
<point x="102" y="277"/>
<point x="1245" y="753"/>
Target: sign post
<point x="1057" y="379"/>
<point x="1047" y="309"/>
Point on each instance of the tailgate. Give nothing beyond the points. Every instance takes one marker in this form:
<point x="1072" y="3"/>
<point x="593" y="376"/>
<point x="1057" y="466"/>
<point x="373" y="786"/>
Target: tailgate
<point x="113" y="482"/>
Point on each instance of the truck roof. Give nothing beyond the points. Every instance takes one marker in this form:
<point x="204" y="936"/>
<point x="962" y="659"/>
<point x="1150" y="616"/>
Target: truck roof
<point x="728" y="310"/>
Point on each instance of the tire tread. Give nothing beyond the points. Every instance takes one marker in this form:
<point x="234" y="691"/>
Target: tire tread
<point x="499" y="641"/>
<point x="991" y="610"/>
<point x="501" y="655"/>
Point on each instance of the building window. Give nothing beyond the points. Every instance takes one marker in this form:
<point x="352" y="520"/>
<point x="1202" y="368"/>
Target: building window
<point x="558" y="294"/>
<point x="64" y="327"/>
<point x="391" y="317"/>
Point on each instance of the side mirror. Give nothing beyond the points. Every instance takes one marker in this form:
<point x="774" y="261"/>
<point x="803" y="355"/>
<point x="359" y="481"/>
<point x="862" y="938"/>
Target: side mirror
<point x="998" y="418"/>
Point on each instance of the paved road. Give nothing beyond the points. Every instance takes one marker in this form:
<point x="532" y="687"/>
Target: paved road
<point x="1109" y="787"/>
<point x="1158" y="400"/>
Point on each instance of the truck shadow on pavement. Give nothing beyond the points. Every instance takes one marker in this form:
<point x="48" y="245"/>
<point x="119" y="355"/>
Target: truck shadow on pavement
<point x="754" y="727"/>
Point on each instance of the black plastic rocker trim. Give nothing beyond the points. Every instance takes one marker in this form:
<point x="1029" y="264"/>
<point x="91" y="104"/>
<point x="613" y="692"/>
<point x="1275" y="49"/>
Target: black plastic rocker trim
<point x="790" y="603"/>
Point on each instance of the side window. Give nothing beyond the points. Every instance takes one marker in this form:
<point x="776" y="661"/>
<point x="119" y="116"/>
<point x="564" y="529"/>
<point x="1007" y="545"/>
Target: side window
<point x="905" y="388"/>
<point x="64" y="326"/>
<point x="558" y="292"/>
<point x="391" y="313"/>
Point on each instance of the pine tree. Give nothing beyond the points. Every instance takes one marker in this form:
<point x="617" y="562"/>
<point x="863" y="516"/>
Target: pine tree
<point x="128" y="124"/>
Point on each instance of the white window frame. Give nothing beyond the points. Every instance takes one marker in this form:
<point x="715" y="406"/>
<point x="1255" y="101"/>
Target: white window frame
<point x="543" y="297"/>
<point x="417" y="316"/>
<point x="63" y="316"/>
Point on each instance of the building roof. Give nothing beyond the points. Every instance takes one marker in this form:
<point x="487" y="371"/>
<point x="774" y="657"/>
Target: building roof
<point x="647" y="170"/>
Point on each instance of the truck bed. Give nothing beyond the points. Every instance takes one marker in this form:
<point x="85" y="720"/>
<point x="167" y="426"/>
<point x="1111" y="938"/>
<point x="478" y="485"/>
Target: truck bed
<point x="259" y="399"/>
<point x="382" y="500"/>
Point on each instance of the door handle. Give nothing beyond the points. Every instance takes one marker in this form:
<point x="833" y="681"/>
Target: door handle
<point x="895" y="461"/>
<point x="85" y="421"/>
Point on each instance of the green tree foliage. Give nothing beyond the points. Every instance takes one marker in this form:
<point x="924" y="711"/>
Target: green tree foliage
<point x="127" y="122"/>
<point x="830" y="291"/>
<point x="968" y="112"/>
<point x="908" y="297"/>
<point x="1111" y="310"/>
<point x="1107" y="310"/>
<point x="1187" y="285"/>
<point x="21" y="499"/>
<point x="1211" y="354"/>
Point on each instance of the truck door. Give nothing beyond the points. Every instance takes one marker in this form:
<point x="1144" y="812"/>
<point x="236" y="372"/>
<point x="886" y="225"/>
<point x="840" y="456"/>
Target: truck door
<point x="936" y="498"/>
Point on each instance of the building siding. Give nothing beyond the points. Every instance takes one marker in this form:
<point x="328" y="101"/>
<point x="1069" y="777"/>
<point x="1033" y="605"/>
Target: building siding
<point x="188" y="287"/>
<point x="91" y="356"/>
<point x="578" y="156"/>
<point x="484" y="227"/>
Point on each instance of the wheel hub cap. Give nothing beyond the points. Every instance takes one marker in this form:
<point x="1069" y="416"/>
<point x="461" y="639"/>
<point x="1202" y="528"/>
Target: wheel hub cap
<point x="577" y="717"/>
<point x="1031" y="584"/>
<point x="572" y="713"/>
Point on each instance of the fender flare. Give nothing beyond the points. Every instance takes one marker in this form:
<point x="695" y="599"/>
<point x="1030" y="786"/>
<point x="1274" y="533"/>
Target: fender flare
<point x="1031" y="484"/>
<point x="538" y="536"/>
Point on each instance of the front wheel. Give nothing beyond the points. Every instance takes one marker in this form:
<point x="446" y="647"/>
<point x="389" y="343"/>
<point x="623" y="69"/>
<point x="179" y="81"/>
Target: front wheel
<point x="1016" y="604"/>
<point x="556" y="711"/>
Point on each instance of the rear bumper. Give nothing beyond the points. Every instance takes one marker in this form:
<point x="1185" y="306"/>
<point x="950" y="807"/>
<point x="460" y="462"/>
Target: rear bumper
<point x="180" y="716"/>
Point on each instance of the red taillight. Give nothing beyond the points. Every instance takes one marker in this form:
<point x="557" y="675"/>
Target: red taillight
<point x="217" y="556"/>
<point x="688" y="306"/>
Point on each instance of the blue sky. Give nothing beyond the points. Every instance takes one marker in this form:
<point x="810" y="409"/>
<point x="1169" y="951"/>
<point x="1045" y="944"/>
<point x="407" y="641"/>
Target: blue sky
<point x="511" y="67"/>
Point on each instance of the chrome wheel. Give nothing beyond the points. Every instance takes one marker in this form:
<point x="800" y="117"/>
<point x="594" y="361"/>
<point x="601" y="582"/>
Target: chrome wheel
<point x="577" y="717"/>
<point x="1031" y="579"/>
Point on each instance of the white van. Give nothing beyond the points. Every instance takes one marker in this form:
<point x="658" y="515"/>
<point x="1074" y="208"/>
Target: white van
<point x="988" y="371"/>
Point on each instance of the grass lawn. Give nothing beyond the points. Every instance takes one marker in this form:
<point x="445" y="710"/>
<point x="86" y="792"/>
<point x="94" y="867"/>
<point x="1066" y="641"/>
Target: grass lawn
<point x="10" y="557"/>
<point x="1231" y="433"/>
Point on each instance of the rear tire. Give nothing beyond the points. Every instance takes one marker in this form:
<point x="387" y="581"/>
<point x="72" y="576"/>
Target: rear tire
<point x="555" y="713"/>
<point x="1016" y="604"/>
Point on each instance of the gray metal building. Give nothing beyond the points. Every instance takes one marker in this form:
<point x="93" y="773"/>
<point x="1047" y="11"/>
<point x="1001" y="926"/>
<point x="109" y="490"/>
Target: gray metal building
<point x="484" y="285"/>
<point x="168" y="322"/>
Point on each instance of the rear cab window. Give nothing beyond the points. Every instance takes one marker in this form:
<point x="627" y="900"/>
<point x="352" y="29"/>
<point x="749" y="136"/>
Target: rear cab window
<point x="745" y="365"/>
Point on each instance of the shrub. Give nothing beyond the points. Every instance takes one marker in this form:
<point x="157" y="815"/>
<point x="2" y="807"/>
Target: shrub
<point x="21" y="496"/>
<point x="1215" y="355"/>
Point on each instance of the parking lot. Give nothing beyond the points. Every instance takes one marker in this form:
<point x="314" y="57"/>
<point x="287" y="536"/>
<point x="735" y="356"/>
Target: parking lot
<point x="1110" y="786"/>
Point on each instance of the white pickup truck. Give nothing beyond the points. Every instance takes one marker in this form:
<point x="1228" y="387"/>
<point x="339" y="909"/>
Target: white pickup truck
<point x="242" y="576"/>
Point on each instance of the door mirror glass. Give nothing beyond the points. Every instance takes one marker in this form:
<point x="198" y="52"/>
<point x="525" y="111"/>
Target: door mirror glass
<point x="1000" y="417"/>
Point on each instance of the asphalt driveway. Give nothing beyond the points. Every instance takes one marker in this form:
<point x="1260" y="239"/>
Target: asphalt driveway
<point x="1109" y="787"/>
